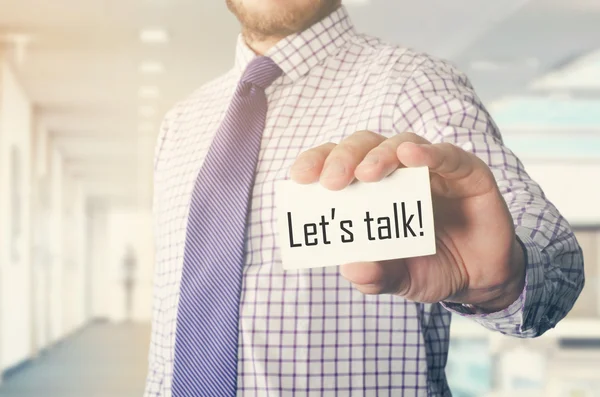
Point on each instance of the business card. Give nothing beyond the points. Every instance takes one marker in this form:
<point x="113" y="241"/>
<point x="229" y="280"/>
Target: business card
<point x="378" y="221"/>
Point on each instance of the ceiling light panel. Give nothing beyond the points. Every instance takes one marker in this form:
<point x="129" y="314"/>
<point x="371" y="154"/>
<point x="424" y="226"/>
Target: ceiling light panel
<point x="147" y="111"/>
<point x="151" y="67"/>
<point x="154" y="36"/>
<point x="146" y="127"/>
<point x="149" y="92"/>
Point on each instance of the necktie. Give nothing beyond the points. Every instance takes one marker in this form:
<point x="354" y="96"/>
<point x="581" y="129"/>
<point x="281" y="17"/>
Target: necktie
<point x="206" y="340"/>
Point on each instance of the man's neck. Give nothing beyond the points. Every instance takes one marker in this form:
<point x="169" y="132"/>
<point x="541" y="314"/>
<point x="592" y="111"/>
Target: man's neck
<point x="261" y="45"/>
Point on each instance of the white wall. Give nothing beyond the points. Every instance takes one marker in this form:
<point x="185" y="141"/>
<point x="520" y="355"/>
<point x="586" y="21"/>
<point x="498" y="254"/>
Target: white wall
<point x="99" y="276"/>
<point x="68" y="259"/>
<point x="15" y="272"/>
<point x="74" y="258"/>
<point x="56" y="260"/>
<point x="112" y="230"/>
<point x="129" y="227"/>
<point x="41" y="241"/>
<point x="573" y="187"/>
<point x="42" y="290"/>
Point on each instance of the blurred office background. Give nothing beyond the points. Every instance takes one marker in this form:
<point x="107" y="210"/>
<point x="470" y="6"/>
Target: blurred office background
<point x="83" y="87"/>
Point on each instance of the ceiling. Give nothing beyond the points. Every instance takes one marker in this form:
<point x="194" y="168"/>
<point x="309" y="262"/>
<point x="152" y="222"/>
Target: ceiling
<point x="82" y="66"/>
<point x="544" y="35"/>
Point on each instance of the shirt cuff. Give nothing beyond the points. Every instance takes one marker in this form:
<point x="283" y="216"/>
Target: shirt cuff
<point x="513" y="319"/>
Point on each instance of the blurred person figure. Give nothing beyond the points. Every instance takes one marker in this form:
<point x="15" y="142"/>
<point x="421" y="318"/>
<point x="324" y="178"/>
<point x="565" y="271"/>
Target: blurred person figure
<point x="129" y="278"/>
<point x="310" y="96"/>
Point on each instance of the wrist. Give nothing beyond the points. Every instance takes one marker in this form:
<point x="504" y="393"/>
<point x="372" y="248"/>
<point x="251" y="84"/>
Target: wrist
<point x="513" y="287"/>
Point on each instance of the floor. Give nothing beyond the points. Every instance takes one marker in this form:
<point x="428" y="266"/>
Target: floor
<point x="103" y="360"/>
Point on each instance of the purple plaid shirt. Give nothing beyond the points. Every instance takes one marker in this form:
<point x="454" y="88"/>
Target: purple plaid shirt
<point x="308" y="332"/>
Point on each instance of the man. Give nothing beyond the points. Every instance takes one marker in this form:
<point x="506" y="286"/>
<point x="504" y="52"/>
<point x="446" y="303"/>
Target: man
<point x="129" y="270"/>
<point x="311" y="99"/>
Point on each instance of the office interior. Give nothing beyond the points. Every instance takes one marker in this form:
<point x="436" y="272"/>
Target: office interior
<point x="83" y="87"/>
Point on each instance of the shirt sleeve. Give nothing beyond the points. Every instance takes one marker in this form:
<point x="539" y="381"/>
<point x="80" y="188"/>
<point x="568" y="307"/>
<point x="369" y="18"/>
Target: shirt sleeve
<point x="439" y="103"/>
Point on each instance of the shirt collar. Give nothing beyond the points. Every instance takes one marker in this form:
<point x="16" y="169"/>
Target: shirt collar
<point x="298" y="53"/>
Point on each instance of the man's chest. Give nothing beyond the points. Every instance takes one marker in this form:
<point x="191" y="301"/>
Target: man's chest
<point x="299" y="118"/>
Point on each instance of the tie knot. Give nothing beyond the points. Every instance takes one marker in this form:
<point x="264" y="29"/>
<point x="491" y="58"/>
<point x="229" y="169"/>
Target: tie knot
<point x="262" y="72"/>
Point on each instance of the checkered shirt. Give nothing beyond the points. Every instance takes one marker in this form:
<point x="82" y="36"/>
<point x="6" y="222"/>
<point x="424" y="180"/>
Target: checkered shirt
<point x="308" y="332"/>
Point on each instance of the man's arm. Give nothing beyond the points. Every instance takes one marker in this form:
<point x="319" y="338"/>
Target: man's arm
<point x="451" y="112"/>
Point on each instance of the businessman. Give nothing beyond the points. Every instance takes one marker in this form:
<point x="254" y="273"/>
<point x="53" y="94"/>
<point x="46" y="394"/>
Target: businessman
<point x="311" y="99"/>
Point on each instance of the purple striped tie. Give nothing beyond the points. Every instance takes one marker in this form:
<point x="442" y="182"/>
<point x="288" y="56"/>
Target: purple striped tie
<point x="206" y="344"/>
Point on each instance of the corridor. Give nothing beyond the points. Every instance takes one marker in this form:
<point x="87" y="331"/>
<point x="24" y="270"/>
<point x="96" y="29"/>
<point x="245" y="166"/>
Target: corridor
<point x="85" y="86"/>
<point x="102" y="360"/>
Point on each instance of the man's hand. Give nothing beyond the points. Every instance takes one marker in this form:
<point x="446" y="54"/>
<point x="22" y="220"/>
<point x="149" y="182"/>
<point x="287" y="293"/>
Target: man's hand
<point x="479" y="260"/>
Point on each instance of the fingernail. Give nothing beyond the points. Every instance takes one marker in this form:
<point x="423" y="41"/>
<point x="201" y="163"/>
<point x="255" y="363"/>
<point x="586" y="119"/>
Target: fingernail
<point x="334" y="169"/>
<point x="304" y="166"/>
<point x="371" y="159"/>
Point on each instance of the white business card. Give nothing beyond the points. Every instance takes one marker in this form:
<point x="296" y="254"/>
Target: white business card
<point x="390" y="219"/>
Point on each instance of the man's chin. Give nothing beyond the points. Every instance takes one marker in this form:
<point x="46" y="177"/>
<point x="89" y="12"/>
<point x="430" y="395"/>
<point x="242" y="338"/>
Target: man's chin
<point x="276" y="18"/>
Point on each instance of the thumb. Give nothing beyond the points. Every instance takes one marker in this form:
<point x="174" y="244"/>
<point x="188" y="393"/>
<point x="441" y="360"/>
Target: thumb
<point x="374" y="278"/>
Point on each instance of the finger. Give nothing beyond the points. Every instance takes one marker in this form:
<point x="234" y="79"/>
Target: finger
<point x="338" y="171"/>
<point x="309" y="164"/>
<point x="373" y="278"/>
<point x="460" y="172"/>
<point x="383" y="160"/>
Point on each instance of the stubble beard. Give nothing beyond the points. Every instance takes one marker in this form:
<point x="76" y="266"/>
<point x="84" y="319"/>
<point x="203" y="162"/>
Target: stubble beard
<point x="282" y="24"/>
